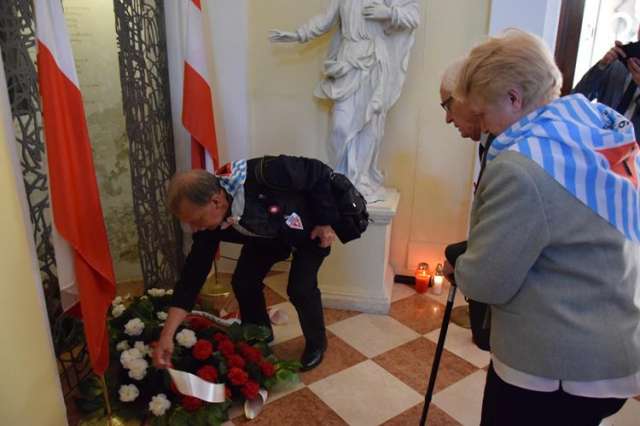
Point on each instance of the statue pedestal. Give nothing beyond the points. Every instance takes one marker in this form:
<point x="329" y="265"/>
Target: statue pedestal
<point x="357" y="276"/>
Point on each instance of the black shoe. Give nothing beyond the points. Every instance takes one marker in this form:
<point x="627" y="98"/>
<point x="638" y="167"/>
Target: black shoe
<point x="312" y="356"/>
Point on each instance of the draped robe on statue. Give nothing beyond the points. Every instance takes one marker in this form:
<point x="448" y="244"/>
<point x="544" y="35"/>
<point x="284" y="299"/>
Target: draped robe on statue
<point x="363" y="75"/>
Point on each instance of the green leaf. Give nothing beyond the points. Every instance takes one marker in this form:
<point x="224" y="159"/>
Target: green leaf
<point x="255" y="333"/>
<point x="235" y="332"/>
<point x="287" y="376"/>
<point x="179" y="417"/>
<point x="160" y="420"/>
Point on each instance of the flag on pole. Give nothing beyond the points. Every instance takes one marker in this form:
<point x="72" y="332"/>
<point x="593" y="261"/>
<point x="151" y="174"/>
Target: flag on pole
<point x="197" y="105"/>
<point x="75" y="200"/>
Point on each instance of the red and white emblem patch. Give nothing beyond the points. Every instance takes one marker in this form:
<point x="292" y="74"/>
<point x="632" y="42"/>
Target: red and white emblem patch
<point x="294" y="222"/>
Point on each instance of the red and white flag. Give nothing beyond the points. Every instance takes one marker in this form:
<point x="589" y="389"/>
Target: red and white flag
<point x="75" y="200"/>
<point x="197" y="105"/>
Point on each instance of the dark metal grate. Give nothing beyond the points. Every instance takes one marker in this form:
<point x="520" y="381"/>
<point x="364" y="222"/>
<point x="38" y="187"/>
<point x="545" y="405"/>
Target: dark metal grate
<point x="144" y="79"/>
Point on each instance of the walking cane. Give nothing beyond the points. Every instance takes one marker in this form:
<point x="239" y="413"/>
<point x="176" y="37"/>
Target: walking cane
<point x="452" y="252"/>
<point x="438" y="354"/>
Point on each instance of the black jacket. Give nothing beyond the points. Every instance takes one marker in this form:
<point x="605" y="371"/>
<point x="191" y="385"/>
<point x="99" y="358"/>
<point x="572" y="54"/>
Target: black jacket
<point x="275" y="188"/>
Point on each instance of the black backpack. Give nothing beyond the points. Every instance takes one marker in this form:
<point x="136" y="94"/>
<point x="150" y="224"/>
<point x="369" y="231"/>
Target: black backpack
<point x="351" y="205"/>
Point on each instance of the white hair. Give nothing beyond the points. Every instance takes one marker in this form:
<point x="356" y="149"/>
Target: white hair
<point x="451" y="74"/>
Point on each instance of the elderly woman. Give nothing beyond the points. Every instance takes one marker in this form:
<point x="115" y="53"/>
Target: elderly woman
<point x="553" y="245"/>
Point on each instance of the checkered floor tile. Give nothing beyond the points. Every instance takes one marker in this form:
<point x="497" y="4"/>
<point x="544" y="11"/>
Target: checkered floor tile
<point x="376" y="368"/>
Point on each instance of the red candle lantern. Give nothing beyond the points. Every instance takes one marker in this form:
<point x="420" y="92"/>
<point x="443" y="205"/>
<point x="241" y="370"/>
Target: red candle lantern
<point x="422" y="277"/>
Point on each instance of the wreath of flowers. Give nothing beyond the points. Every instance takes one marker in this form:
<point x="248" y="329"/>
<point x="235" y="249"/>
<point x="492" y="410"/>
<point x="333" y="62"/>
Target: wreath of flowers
<point x="237" y="357"/>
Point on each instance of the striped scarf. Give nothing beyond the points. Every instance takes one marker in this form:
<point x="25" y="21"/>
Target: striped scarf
<point x="232" y="175"/>
<point x="582" y="145"/>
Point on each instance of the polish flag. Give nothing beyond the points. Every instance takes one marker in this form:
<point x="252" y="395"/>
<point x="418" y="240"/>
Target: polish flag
<point x="197" y="106"/>
<point x="75" y="201"/>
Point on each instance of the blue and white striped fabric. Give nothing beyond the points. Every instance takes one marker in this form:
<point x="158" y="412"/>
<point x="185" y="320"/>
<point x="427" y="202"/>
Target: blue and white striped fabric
<point x="564" y="138"/>
<point x="232" y="176"/>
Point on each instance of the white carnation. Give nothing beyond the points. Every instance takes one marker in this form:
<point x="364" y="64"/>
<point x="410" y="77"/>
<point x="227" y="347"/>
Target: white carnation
<point x="157" y="292"/>
<point x="118" y="310"/>
<point x="144" y="349"/>
<point x="134" y="327"/>
<point x="122" y="346"/>
<point x="170" y="291"/>
<point x="145" y="297"/>
<point x="138" y="369"/>
<point x="128" y="393"/>
<point x="162" y="315"/>
<point x="159" y="404"/>
<point x="128" y="356"/>
<point x="117" y="301"/>
<point x="186" y="338"/>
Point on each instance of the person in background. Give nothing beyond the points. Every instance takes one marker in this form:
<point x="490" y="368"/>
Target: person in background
<point x="274" y="207"/>
<point x="554" y="241"/>
<point x="614" y="84"/>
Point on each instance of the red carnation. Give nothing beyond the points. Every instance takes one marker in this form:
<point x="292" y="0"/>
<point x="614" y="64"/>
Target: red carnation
<point x="220" y="337"/>
<point x="250" y="390"/>
<point x="208" y="373"/>
<point x="252" y="354"/>
<point x="190" y="403"/>
<point x="237" y="376"/>
<point x="227" y="392"/>
<point x="236" y="361"/>
<point x="226" y="347"/>
<point x="199" y="323"/>
<point x="267" y="369"/>
<point x="202" y="349"/>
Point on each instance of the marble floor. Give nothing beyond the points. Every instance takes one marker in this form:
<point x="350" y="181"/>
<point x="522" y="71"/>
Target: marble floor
<point x="376" y="368"/>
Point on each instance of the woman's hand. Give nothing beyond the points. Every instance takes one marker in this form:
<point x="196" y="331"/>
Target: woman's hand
<point x="448" y="272"/>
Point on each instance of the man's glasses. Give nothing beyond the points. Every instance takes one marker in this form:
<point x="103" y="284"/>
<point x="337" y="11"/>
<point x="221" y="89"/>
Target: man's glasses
<point x="446" y="104"/>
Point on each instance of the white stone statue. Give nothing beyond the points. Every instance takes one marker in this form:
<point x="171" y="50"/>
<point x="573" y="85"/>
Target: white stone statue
<point x="363" y="75"/>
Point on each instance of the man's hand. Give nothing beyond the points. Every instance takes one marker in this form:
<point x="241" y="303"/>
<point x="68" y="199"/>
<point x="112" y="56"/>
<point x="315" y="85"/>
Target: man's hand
<point x="612" y="54"/>
<point x="162" y="352"/>
<point x="376" y="12"/>
<point x="278" y="36"/>
<point x="325" y="233"/>
<point x="163" y="348"/>
<point x="634" y="69"/>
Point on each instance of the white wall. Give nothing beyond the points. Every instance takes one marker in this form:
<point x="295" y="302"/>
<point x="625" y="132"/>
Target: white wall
<point x="538" y="16"/>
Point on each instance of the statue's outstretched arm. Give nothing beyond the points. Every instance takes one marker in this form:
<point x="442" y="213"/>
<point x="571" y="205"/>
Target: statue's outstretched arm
<point x="316" y="26"/>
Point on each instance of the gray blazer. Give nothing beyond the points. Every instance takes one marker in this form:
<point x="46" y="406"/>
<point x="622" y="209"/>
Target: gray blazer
<point x="563" y="284"/>
<point x="607" y="85"/>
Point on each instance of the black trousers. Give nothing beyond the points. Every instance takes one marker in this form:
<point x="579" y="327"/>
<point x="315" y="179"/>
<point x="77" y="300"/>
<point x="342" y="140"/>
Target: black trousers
<point x="508" y="405"/>
<point x="256" y="259"/>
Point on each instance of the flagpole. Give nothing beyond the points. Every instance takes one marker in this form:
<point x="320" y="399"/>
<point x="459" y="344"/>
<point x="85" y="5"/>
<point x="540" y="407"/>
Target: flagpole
<point x="111" y="420"/>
